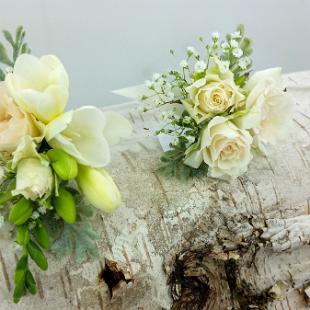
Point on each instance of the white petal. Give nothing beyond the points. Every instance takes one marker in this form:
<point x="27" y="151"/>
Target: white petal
<point x="117" y="126"/>
<point x="273" y="73"/>
<point x="194" y="159"/>
<point x="58" y="125"/>
<point x="134" y="92"/>
<point x="89" y="152"/>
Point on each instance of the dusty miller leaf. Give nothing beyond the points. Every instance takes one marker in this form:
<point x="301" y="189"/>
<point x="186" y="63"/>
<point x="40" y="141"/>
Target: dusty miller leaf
<point x="78" y="238"/>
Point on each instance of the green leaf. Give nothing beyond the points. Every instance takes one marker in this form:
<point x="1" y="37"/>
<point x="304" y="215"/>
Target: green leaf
<point x="20" y="271"/>
<point x="22" y="235"/>
<point x="6" y="191"/>
<point x="65" y="206"/>
<point x="4" y="58"/>
<point x="37" y="255"/>
<point x="41" y="235"/>
<point x="241" y="80"/>
<point x="18" y="47"/>
<point x="8" y="37"/>
<point x="2" y="75"/>
<point x="19" y="292"/>
<point x="5" y="197"/>
<point x="21" y="211"/>
<point x="25" y="49"/>
<point x="31" y="283"/>
<point x="241" y="28"/>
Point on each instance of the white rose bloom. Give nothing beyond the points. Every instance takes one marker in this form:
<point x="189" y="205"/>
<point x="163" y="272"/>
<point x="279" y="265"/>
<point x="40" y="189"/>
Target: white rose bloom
<point x="270" y="108"/>
<point x="214" y="94"/>
<point x="224" y="147"/>
<point x="39" y="85"/>
<point x="86" y="134"/>
<point x="34" y="178"/>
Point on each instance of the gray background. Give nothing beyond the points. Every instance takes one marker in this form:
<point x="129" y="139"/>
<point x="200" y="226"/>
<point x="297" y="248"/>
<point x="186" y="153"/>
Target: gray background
<point x="117" y="43"/>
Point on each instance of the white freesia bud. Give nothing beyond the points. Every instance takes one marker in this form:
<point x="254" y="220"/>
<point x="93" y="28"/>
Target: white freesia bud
<point x="34" y="178"/>
<point x="86" y="134"/>
<point x="99" y="188"/>
<point x="39" y="85"/>
<point x="270" y="108"/>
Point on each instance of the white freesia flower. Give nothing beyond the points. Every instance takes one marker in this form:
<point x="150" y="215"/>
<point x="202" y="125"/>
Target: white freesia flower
<point x="34" y="179"/>
<point x="86" y="134"/>
<point x="224" y="147"/>
<point x="39" y="85"/>
<point x="270" y="108"/>
<point x="15" y="123"/>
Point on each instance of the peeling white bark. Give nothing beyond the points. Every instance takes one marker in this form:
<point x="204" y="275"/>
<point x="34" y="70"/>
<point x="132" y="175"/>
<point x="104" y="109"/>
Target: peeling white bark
<point x="259" y="221"/>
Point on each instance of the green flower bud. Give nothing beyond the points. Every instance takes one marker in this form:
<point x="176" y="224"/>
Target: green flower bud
<point x="65" y="206"/>
<point x="63" y="164"/>
<point x="21" y="212"/>
<point x="99" y="188"/>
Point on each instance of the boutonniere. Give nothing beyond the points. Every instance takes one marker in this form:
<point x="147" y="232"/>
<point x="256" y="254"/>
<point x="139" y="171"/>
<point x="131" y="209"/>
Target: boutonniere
<point x="51" y="162"/>
<point x="216" y="112"/>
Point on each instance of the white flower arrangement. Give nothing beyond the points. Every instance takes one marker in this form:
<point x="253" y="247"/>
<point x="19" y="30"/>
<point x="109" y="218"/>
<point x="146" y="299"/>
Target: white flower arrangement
<point x="229" y="112"/>
<point x="50" y="160"/>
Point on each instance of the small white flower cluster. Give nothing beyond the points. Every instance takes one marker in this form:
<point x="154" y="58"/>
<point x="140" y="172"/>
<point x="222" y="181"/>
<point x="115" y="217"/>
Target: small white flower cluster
<point x="184" y="64"/>
<point x="244" y="62"/>
<point x="192" y="51"/>
<point x="200" y="66"/>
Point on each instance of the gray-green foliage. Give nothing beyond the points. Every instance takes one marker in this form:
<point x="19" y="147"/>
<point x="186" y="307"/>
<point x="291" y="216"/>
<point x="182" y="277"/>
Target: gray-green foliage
<point x="78" y="238"/>
<point x="18" y="47"/>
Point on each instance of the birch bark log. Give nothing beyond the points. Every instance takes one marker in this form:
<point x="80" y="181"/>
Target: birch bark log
<point x="200" y="244"/>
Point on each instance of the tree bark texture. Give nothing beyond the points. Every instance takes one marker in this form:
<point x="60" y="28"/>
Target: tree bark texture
<point x="196" y="244"/>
